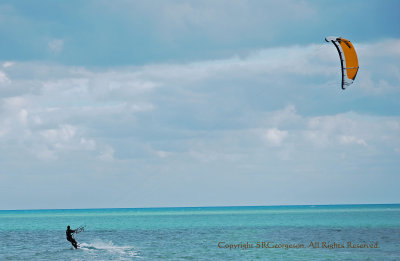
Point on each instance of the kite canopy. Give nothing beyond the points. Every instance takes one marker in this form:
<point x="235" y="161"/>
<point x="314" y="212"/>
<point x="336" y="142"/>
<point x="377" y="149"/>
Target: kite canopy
<point x="348" y="59"/>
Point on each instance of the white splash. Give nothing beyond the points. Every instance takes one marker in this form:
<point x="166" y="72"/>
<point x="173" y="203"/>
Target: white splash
<point x="108" y="246"/>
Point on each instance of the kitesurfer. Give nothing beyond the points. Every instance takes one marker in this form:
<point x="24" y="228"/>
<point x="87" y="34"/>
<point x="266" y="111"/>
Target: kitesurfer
<point x="70" y="238"/>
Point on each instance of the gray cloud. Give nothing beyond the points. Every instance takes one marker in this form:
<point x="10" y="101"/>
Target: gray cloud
<point x="275" y="115"/>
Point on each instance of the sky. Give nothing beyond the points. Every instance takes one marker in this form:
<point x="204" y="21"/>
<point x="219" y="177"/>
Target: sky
<point x="111" y="104"/>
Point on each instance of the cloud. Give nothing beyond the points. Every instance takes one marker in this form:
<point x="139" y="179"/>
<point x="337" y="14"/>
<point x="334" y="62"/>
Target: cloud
<point x="386" y="48"/>
<point x="189" y="96"/>
<point x="275" y="136"/>
<point x="351" y="139"/>
<point x="7" y="64"/>
<point x="66" y="137"/>
<point x="3" y="78"/>
<point x="56" y="46"/>
<point x="197" y="121"/>
<point x="120" y="32"/>
<point x="107" y="154"/>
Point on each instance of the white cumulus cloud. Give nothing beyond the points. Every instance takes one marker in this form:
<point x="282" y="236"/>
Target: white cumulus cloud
<point x="275" y="136"/>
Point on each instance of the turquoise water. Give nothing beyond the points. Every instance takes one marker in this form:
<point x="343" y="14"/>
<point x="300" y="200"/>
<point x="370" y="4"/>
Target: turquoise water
<point x="206" y="233"/>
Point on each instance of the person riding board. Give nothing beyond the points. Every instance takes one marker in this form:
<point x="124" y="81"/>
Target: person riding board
<point x="70" y="238"/>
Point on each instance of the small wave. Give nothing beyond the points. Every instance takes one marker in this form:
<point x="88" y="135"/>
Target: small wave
<point x="109" y="248"/>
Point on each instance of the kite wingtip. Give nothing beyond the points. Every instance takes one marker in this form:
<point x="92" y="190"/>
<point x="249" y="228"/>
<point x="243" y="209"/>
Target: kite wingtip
<point x="331" y="38"/>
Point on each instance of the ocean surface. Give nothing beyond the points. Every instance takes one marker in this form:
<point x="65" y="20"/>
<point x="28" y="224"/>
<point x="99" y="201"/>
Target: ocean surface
<point x="334" y="232"/>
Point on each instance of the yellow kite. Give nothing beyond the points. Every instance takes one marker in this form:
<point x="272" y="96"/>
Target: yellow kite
<point x="348" y="59"/>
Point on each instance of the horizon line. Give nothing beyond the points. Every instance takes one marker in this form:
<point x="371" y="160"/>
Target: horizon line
<point x="216" y="206"/>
